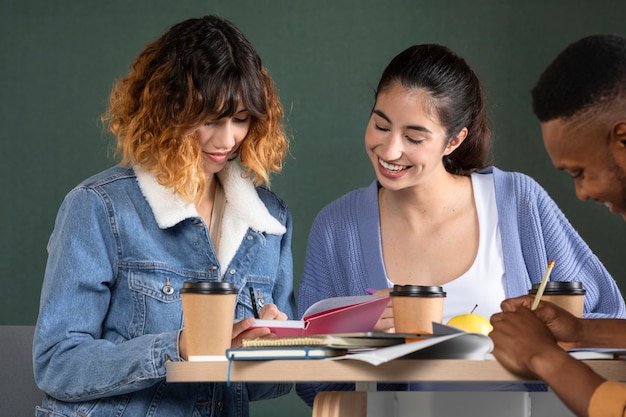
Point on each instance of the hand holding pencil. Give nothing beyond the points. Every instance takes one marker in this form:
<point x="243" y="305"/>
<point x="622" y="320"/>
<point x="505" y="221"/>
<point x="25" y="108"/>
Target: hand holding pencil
<point x="542" y="286"/>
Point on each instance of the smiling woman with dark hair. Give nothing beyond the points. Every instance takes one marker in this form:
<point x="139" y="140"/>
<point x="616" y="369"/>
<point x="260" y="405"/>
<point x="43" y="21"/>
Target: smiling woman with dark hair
<point x="438" y="214"/>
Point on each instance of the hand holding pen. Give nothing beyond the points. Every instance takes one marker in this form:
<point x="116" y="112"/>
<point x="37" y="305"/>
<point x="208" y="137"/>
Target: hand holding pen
<point x="261" y="310"/>
<point x="243" y="329"/>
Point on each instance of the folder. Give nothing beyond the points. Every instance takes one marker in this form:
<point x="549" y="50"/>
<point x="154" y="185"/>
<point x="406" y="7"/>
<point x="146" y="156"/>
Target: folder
<point x="291" y="352"/>
<point x="332" y="315"/>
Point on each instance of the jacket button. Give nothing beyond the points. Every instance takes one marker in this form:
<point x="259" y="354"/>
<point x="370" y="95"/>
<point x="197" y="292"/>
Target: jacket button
<point x="167" y="288"/>
<point x="249" y="237"/>
<point x="233" y="271"/>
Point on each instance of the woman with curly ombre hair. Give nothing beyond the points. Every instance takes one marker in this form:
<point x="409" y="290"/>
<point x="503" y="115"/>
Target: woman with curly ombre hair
<point x="180" y="83"/>
<point x="199" y="131"/>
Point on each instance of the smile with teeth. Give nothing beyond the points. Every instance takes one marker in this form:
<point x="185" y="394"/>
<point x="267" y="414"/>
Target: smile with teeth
<point x="391" y="167"/>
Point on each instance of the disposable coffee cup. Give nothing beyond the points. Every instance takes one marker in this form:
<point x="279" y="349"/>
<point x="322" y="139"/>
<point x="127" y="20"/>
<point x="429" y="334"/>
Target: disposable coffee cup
<point x="208" y="312"/>
<point x="569" y="295"/>
<point x="416" y="307"/>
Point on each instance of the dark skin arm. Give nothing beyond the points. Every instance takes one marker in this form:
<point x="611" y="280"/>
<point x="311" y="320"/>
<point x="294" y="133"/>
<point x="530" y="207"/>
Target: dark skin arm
<point x="572" y="332"/>
<point x="525" y="346"/>
<point x="530" y="344"/>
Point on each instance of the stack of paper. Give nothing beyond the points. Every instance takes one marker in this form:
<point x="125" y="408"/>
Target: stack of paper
<point x="372" y="347"/>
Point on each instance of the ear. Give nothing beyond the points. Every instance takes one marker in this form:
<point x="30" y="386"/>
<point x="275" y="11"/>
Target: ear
<point x="617" y="143"/>
<point x="618" y="133"/>
<point x="455" y="142"/>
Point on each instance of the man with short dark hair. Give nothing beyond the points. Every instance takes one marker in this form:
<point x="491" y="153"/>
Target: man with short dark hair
<point x="580" y="100"/>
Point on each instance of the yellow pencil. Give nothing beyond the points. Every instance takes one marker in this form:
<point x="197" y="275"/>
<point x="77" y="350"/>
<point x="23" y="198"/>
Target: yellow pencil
<point x="542" y="286"/>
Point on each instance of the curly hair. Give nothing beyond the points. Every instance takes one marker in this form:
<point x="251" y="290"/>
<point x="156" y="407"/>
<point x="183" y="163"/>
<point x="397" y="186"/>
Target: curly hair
<point x="200" y="69"/>
<point x="456" y="95"/>
<point x="586" y="75"/>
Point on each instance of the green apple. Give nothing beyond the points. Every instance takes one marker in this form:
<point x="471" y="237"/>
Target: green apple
<point x="472" y="323"/>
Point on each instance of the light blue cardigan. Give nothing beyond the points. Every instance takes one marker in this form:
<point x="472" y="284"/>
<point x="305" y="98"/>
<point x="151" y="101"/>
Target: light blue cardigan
<point x="344" y="253"/>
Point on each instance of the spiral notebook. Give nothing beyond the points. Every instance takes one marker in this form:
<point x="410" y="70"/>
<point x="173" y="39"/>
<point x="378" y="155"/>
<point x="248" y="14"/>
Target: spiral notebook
<point x="339" y="340"/>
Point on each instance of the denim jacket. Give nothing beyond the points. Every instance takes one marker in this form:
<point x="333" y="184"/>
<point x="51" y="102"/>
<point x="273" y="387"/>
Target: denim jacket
<point x="111" y="313"/>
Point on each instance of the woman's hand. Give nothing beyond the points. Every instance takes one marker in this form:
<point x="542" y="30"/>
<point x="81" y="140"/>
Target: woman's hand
<point x="271" y="312"/>
<point x="241" y="329"/>
<point x="385" y="322"/>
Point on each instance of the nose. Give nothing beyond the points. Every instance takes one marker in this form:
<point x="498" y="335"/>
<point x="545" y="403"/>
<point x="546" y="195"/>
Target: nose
<point x="392" y="149"/>
<point x="224" y="136"/>
<point x="581" y="194"/>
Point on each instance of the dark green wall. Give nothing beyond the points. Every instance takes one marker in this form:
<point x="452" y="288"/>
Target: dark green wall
<point x="59" y="59"/>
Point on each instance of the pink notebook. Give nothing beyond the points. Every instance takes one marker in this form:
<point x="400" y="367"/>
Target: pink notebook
<point x="332" y="315"/>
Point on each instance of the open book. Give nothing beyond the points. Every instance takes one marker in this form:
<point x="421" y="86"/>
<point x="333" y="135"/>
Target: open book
<point x="332" y="315"/>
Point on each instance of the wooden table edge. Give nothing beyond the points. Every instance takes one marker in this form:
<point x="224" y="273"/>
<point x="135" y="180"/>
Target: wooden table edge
<point x="436" y="370"/>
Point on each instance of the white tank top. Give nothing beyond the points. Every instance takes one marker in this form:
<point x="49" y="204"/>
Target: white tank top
<point x="483" y="283"/>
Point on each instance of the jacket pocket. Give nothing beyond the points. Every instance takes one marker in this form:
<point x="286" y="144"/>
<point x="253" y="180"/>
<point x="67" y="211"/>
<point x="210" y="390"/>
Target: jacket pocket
<point x="156" y="301"/>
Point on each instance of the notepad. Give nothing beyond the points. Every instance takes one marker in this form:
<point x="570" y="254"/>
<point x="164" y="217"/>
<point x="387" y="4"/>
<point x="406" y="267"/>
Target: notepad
<point x="333" y="315"/>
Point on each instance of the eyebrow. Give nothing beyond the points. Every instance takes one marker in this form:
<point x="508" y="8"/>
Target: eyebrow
<point x="418" y="128"/>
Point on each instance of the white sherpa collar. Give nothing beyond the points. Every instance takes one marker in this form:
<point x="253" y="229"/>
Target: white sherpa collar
<point x="167" y="207"/>
<point x="244" y="209"/>
<point x="242" y="201"/>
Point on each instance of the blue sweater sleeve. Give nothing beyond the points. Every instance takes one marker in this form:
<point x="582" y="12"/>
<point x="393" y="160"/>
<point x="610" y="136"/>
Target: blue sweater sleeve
<point x="534" y="230"/>
<point x="342" y="258"/>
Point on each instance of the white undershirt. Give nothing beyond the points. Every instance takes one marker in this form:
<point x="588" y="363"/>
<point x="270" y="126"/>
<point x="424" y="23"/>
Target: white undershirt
<point x="483" y="283"/>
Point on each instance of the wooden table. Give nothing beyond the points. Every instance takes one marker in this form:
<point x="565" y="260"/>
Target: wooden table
<point x="349" y="404"/>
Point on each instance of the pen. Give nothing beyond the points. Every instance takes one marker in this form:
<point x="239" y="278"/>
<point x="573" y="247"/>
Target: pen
<point x="255" y="309"/>
<point x="370" y="290"/>
<point x="542" y="286"/>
